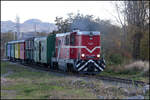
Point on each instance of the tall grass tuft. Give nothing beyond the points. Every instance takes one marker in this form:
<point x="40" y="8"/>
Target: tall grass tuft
<point x="138" y="66"/>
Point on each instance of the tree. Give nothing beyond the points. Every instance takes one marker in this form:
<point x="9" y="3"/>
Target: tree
<point x="133" y="17"/>
<point x="63" y="25"/>
<point x="136" y="13"/>
<point x="5" y="37"/>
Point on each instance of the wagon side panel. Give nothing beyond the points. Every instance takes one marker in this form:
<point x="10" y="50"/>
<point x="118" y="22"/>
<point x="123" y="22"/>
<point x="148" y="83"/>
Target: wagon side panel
<point x="51" y="47"/>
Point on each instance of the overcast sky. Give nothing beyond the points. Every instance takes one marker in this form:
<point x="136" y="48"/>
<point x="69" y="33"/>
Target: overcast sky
<point x="46" y="11"/>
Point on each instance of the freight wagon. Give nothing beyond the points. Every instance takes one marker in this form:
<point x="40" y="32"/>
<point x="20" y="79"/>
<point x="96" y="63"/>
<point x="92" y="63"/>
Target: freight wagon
<point x="16" y="50"/>
<point x="29" y="50"/>
<point x="44" y="48"/>
<point x="21" y="44"/>
<point x="10" y="50"/>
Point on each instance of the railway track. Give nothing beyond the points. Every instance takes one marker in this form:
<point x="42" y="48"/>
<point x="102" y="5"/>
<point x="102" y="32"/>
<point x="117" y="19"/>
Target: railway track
<point x="100" y="77"/>
<point x="119" y="80"/>
<point x="122" y="80"/>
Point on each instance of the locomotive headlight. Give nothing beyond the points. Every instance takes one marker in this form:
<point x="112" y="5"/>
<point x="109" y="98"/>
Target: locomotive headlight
<point x="98" y="55"/>
<point x="82" y="55"/>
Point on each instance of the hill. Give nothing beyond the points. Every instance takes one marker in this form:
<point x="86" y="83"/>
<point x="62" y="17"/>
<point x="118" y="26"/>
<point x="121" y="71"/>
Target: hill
<point x="28" y="26"/>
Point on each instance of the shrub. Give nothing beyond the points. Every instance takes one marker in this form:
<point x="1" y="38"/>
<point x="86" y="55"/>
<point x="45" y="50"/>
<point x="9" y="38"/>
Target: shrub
<point x="116" y="59"/>
<point x="138" y="66"/>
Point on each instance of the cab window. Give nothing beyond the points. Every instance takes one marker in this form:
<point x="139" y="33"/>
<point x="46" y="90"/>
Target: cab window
<point x="67" y="40"/>
<point x="59" y="43"/>
<point x="72" y="39"/>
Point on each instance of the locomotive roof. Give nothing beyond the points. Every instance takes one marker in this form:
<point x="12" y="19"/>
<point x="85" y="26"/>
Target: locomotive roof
<point x="79" y="33"/>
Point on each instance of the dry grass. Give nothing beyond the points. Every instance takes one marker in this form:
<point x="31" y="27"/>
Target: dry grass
<point x="135" y="70"/>
<point x="131" y="68"/>
<point x="138" y="65"/>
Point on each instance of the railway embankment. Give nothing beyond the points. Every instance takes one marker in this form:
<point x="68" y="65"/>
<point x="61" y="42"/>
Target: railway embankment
<point x="21" y="82"/>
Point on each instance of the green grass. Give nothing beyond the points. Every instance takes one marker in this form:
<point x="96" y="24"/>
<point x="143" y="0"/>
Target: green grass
<point x="3" y="67"/>
<point x="133" y="75"/>
<point x="127" y="69"/>
<point x="31" y="90"/>
<point x="30" y="84"/>
<point x="26" y="83"/>
<point x="43" y="90"/>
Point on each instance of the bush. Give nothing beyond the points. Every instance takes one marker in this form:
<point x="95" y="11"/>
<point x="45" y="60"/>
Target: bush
<point x="116" y="59"/>
<point x="138" y="66"/>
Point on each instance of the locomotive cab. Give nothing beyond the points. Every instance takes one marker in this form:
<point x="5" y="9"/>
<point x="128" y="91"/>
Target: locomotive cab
<point x="88" y="52"/>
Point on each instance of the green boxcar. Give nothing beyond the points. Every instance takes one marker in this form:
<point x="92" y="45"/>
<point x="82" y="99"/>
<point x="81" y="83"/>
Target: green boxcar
<point x="51" y="46"/>
<point x="29" y="49"/>
<point x="44" y="48"/>
<point x="36" y="49"/>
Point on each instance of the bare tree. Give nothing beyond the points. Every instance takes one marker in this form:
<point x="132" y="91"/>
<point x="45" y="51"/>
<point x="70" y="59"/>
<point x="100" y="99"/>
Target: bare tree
<point x="136" y="14"/>
<point x="133" y="17"/>
<point x="63" y="25"/>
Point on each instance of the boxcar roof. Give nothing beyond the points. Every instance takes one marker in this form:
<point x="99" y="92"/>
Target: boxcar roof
<point x="79" y="33"/>
<point x="31" y="38"/>
<point x="21" y="40"/>
<point x="39" y="38"/>
<point x="14" y="41"/>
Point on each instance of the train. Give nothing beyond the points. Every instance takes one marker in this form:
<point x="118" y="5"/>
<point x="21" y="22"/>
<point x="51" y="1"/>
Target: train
<point x="76" y="51"/>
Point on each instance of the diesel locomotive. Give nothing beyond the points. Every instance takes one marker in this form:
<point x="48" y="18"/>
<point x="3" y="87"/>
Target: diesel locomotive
<point x="77" y="51"/>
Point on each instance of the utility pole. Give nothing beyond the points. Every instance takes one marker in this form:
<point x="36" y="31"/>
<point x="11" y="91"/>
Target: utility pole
<point x="35" y="27"/>
<point x="18" y="27"/>
<point x="15" y="35"/>
<point x="49" y="28"/>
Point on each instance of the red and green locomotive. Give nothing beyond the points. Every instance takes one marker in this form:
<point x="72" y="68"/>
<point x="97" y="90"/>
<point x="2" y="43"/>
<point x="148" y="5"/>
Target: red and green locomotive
<point x="78" y="51"/>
